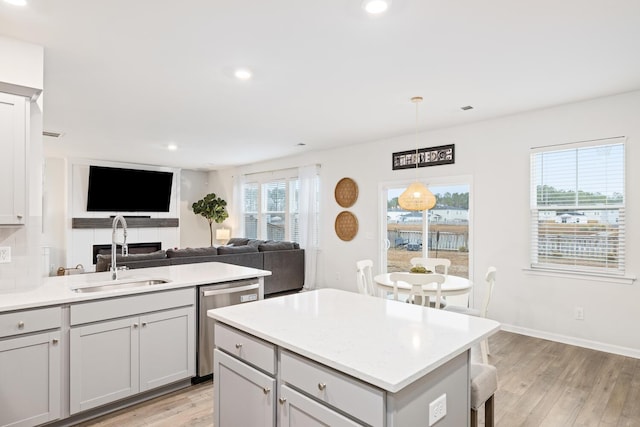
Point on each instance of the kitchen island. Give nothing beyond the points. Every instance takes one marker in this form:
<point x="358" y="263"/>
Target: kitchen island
<point x="340" y="358"/>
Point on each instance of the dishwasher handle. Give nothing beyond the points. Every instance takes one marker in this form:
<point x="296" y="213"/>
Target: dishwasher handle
<point x="231" y="290"/>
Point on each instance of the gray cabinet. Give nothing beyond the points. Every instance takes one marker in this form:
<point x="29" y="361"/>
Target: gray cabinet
<point x="114" y="359"/>
<point x="13" y="144"/>
<point x="297" y="410"/>
<point x="29" y="367"/>
<point x="244" y="396"/>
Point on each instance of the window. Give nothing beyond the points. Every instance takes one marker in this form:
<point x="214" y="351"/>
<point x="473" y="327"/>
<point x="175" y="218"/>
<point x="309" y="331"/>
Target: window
<point x="270" y="209"/>
<point x="577" y="207"/>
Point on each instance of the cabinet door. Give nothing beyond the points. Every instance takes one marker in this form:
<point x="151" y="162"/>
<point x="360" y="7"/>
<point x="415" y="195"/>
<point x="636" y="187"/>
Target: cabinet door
<point x="103" y="363"/>
<point x="167" y="347"/>
<point x="13" y="144"/>
<point x="243" y="396"/>
<point x="297" y="410"/>
<point x="30" y="380"/>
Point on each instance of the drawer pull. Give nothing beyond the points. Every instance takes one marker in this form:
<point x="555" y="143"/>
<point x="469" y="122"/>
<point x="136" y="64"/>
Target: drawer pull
<point x="238" y="346"/>
<point x="144" y="324"/>
<point x="21" y="325"/>
<point x="266" y="390"/>
<point x="322" y="386"/>
<point x="54" y="341"/>
<point x="282" y="400"/>
<point x="135" y="325"/>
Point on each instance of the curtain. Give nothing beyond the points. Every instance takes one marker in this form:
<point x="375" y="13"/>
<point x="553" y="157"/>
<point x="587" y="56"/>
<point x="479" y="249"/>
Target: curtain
<point x="308" y="221"/>
<point x="237" y="213"/>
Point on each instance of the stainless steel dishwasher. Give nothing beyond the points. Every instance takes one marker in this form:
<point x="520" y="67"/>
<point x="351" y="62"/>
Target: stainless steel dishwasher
<point x="215" y="296"/>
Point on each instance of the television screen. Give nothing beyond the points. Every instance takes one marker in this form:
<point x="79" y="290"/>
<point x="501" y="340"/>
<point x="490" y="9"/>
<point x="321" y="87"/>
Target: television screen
<point x="128" y="190"/>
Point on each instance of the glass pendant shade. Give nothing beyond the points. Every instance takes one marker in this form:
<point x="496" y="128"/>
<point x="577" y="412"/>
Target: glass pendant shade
<point x="417" y="197"/>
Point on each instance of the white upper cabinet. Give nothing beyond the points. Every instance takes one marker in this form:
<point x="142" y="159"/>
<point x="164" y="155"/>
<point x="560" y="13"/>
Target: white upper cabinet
<point x="13" y="144"/>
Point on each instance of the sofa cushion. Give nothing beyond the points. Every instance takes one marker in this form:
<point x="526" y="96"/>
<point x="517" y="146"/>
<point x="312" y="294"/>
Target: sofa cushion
<point x="103" y="262"/>
<point x="237" y="241"/>
<point x="255" y="242"/>
<point x="275" y="246"/>
<point x="223" y="250"/>
<point x="191" y="252"/>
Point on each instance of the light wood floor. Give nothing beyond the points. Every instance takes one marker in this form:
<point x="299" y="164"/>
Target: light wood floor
<point x="541" y="383"/>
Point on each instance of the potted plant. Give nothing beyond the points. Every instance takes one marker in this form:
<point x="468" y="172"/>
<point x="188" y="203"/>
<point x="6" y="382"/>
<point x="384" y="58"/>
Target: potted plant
<point x="213" y="208"/>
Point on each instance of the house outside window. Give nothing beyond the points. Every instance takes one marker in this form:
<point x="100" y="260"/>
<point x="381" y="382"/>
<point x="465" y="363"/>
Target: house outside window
<point x="577" y="207"/>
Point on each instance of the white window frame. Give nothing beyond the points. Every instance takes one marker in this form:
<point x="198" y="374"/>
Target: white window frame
<point x="617" y="275"/>
<point x="262" y="180"/>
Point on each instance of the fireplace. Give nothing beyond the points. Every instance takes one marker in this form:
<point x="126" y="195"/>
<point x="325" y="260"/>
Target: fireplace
<point x="134" y="248"/>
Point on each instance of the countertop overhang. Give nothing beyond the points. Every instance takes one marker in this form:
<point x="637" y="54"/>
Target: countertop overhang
<point x="386" y="343"/>
<point x="58" y="290"/>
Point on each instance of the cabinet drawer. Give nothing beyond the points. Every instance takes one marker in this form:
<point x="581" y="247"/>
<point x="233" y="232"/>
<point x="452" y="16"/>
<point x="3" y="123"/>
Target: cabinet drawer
<point x="23" y="322"/>
<point x="124" y="306"/>
<point x="252" y="350"/>
<point x="336" y="389"/>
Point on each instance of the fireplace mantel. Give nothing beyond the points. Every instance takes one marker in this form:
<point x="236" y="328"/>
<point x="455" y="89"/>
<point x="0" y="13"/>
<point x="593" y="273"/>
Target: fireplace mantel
<point x="132" y="222"/>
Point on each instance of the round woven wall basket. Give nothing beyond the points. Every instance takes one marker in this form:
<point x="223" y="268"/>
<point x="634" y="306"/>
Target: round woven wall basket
<point x="346" y="192"/>
<point x="346" y="226"/>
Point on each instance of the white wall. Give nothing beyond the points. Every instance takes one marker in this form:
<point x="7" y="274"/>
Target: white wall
<point x="21" y="65"/>
<point x="495" y="153"/>
<point x="194" y="229"/>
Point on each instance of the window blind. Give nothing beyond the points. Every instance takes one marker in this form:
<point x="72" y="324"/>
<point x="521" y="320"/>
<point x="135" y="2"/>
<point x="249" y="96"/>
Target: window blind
<point x="577" y="207"/>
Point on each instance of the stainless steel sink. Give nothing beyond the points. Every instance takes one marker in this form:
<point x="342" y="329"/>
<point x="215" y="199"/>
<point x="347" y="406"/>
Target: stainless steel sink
<point x="120" y="284"/>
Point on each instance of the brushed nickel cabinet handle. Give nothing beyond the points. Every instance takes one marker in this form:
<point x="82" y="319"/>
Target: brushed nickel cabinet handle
<point x="322" y="386"/>
<point x="266" y="390"/>
<point x="144" y="324"/>
<point x="282" y="400"/>
<point x="135" y="325"/>
<point x="238" y="346"/>
<point x="54" y="341"/>
<point x="21" y="325"/>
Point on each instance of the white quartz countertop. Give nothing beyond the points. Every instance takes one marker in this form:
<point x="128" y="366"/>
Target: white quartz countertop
<point x="386" y="343"/>
<point x="58" y="290"/>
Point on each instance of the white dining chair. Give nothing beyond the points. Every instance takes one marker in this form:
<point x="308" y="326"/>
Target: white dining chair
<point x="364" y="277"/>
<point x="417" y="281"/>
<point x="433" y="264"/>
<point x="490" y="279"/>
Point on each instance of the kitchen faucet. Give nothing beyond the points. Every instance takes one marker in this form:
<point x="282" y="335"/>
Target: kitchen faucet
<point x="125" y="250"/>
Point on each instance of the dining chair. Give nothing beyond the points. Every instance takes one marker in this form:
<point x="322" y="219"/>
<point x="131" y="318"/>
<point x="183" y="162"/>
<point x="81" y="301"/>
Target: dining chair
<point x="417" y="281"/>
<point x="364" y="277"/>
<point x="490" y="279"/>
<point x="433" y="264"/>
<point x="484" y="384"/>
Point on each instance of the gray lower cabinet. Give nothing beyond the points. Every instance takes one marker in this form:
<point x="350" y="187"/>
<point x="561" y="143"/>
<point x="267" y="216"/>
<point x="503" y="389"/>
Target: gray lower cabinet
<point x="30" y="367"/>
<point x="297" y="410"/>
<point x="114" y="359"/>
<point x="244" y="395"/>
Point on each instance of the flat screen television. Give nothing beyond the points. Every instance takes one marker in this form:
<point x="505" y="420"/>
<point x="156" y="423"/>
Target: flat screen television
<point x="128" y="190"/>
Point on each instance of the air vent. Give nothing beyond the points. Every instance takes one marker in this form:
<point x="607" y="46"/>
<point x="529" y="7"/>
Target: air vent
<point x="52" y="134"/>
<point x="466" y="107"/>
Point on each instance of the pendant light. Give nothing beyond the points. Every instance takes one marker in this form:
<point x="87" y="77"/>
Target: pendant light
<point x="417" y="196"/>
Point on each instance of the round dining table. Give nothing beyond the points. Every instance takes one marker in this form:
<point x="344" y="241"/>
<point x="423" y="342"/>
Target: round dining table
<point x="452" y="285"/>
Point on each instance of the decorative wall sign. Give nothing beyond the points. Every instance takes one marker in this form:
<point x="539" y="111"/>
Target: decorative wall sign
<point x="346" y="226"/>
<point x="346" y="192"/>
<point x="432" y="156"/>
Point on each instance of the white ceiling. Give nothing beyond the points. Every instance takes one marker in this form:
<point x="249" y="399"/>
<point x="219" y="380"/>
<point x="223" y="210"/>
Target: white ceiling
<point x="124" y="78"/>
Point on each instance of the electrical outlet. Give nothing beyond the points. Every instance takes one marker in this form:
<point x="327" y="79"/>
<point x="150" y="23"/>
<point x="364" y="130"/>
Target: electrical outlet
<point x="5" y="254"/>
<point x="437" y="409"/>
<point x="578" y="313"/>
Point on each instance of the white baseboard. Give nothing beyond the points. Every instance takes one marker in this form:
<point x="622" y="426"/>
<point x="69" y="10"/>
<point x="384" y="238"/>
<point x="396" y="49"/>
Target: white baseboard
<point x="594" y="345"/>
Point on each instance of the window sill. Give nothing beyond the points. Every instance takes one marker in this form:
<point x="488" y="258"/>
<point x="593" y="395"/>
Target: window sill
<point x="622" y="280"/>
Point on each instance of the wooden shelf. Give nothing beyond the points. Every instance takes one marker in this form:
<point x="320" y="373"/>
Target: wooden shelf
<point x="132" y="222"/>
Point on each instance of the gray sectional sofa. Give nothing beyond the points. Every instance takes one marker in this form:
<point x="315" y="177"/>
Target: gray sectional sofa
<point x="285" y="260"/>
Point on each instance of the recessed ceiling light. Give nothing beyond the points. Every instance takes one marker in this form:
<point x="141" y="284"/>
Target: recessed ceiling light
<point x="243" y="74"/>
<point x="17" y="2"/>
<point x="376" y="7"/>
<point x="172" y="147"/>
